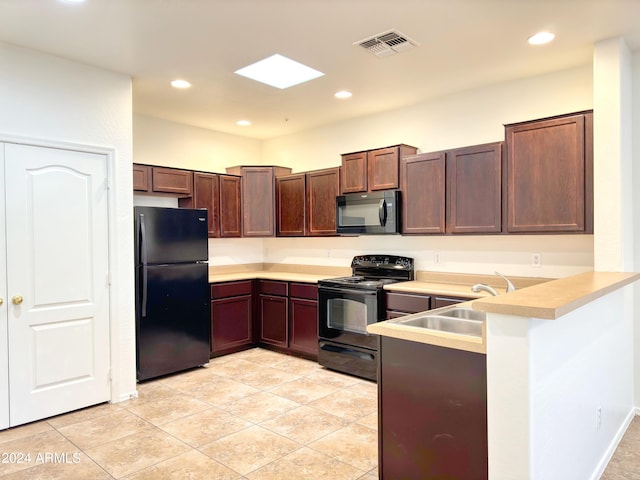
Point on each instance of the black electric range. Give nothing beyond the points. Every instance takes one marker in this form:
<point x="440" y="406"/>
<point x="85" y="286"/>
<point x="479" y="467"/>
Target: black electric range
<point x="346" y="305"/>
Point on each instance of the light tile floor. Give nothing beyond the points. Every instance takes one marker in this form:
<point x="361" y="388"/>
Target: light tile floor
<point x="256" y="415"/>
<point x="252" y="415"/>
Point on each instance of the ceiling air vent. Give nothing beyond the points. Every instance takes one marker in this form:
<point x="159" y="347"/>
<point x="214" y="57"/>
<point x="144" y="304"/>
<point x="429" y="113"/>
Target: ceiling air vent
<point x="387" y="43"/>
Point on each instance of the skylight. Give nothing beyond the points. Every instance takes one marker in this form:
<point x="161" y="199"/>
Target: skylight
<point x="280" y="72"/>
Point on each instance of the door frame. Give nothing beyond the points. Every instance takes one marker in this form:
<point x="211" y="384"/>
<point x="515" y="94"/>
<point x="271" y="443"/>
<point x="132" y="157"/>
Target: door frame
<point x="121" y="327"/>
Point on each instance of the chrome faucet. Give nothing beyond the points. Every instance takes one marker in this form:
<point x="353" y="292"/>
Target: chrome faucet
<point x="481" y="287"/>
<point x="510" y="286"/>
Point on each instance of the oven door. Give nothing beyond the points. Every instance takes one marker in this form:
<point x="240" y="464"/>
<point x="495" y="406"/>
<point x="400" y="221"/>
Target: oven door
<point x="344" y="313"/>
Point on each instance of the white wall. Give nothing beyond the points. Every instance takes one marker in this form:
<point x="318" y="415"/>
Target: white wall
<point x="160" y="142"/>
<point x="48" y="98"/>
<point x="562" y="255"/>
<point x="636" y="212"/>
<point x="546" y="381"/>
<point x="466" y="118"/>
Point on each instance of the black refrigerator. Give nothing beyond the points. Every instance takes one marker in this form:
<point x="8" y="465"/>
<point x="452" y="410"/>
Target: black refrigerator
<point x="173" y="318"/>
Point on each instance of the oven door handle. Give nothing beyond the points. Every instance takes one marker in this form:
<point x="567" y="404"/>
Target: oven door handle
<point x="346" y="291"/>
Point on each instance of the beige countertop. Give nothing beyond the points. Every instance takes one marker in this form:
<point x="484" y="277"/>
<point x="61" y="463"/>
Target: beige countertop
<point x="548" y="300"/>
<point x="535" y="297"/>
<point x="435" y="288"/>
<point x="551" y="300"/>
<point x="267" y="275"/>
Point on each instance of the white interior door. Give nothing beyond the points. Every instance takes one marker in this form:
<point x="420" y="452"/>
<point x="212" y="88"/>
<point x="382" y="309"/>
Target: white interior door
<point x="4" y="341"/>
<point x="57" y="280"/>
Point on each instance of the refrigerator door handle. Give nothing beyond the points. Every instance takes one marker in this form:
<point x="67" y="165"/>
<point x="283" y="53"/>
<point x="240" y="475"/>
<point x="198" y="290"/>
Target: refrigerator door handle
<point x="143" y="241"/>
<point x="144" y="291"/>
<point x="143" y="259"/>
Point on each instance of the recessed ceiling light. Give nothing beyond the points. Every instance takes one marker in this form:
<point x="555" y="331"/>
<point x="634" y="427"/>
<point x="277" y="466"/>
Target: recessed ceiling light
<point x="243" y="123"/>
<point x="280" y="72"/>
<point x="343" y="94"/>
<point x="541" y="38"/>
<point x="180" y="84"/>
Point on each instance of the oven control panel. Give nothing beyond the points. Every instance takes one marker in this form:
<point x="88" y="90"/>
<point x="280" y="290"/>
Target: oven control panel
<point x="385" y="261"/>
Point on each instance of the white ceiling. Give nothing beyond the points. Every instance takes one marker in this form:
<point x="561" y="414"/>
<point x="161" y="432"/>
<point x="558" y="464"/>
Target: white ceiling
<point x="463" y="44"/>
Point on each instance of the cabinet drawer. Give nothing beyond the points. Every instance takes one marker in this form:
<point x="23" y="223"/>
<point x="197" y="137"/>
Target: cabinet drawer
<point x="273" y="287"/>
<point x="303" y="290"/>
<point x="234" y="289"/>
<point x="403" y="302"/>
<point x="446" y="301"/>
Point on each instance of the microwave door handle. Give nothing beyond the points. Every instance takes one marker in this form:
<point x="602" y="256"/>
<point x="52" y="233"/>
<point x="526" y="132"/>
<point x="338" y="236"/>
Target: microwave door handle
<point x="382" y="212"/>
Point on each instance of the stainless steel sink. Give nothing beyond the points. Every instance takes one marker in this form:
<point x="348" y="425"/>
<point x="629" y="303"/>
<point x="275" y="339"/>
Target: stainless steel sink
<point x="459" y="320"/>
<point x="464" y="313"/>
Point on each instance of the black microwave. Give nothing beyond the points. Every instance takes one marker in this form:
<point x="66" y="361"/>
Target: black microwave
<point x="375" y="213"/>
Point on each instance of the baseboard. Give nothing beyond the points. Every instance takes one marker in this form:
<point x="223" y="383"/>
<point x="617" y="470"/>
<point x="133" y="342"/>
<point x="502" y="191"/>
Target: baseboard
<point x="124" y="397"/>
<point x="606" y="458"/>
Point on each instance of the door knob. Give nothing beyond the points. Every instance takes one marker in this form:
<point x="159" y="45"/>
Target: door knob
<point x="17" y="299"/>
<point x="1" y="301"/>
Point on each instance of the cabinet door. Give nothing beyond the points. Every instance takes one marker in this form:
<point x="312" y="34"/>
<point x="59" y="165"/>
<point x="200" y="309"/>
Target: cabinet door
<point x="382" y="168"/>
<point x="206" y="194"/>
<point x="323" y="186"/>
<point x="172" y="180"/>
<point x="290" y="205"/>
<point x="258" y="202"/>
<point x="354" y="172"/>
<point x="433" y="412"/>
<point x="548" y="175"/>
<point x="231" y="323"/>
<point x="273" y="320"/>
<point x="141" y="178"/>
<point x="422" y="182"/>
<point x="230" y="207"/>
<point x="474" y="189"/>
<point x="303" y="332"/>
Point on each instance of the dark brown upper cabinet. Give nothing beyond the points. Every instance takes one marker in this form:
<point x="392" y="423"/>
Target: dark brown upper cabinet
<point x="373" y="169"/>
<point x="141" y="178"/>
<point x="172" y="180"/>
<point x="290" y="205"/>
<point x="306" y="203"/>
<point x="323" y="186"/>
<point x="147" y="178"/>
<point x="550" y="175"/>
<point x="206" y="194"/>
<point x="258" y="198"/>
<point x="422" y="181"/>
<point x="354" y="172"/>
<point x="474" y="189"/>
<point x="230" y="206"/>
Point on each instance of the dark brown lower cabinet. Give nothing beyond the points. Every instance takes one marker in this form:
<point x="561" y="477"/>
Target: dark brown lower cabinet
<point x="400" y="303"/>
<point x="303" y="319"/>
<point x="231" y="317"/>
<point x="437" y="301"/>
<point x="274" y="312"/>
<point x="433" y="412"/>
<point x="288" y="314"/>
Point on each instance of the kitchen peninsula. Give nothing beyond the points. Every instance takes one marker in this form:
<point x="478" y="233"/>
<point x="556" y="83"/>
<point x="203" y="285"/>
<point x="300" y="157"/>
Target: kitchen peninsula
<point x="557" y="400"/>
